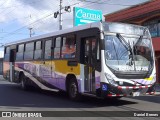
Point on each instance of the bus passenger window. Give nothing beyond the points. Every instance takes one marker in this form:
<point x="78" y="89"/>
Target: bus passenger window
<point x="29" y="49"/>
<point x="57" y="48"/>
<point x="69" y="47"/>
<point x="48" y="45"/>
<point x="6" y="54"/>
<point x="38" y="50"/>
<point x="19" y="54"/>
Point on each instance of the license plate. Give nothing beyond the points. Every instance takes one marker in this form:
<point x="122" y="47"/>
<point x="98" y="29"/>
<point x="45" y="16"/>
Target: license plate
<point x="136" y="93"/>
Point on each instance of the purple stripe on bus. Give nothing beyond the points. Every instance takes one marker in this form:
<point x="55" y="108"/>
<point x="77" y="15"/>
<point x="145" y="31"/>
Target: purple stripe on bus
<point x="51" y="77"/>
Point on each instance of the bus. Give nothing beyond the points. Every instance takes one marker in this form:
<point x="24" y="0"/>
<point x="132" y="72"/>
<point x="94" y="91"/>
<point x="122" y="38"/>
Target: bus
<point x="101" y="59"/>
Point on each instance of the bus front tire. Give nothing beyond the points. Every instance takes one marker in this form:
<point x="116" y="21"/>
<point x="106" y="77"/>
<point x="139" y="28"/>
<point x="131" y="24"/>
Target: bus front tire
<point x="73" y="90"/>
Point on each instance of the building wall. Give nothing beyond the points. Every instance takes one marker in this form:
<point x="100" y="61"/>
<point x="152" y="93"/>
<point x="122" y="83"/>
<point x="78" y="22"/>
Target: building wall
<point x="156" y="43"/>
<point x="145" y="10"/>
<point x="158" y="66"/>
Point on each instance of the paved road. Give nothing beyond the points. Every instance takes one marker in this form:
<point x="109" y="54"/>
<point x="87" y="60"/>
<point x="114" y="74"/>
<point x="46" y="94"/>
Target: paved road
<point x="12" y="98"/>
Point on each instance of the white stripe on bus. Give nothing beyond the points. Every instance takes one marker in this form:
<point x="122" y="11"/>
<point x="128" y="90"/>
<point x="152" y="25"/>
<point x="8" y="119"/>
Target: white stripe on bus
<point x="36" y="81"/>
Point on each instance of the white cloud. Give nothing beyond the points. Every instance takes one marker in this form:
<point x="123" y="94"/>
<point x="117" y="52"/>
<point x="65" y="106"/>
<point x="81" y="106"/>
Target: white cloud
<point x="29" y="11"/>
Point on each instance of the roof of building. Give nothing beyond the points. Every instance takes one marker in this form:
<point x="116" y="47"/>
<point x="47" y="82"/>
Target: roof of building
<point x="135" y="11"/>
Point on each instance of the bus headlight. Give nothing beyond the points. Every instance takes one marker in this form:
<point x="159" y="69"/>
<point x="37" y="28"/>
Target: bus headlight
<point x="111" y="80"/>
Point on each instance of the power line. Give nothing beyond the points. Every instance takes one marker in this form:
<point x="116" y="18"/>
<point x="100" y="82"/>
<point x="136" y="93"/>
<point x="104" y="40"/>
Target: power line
<point x="105" y="3"/>
<point x="16" y="6"/>
<point x="15" y="33"/>
<point x="9" y="12"/>
<point x="7" y="9"/>
<point x="4" y="3"/>
<point x="12" y="33"/>
<point x="12" y="9"/>
<point x="89" y="4"/>
<point x="22" y="5"/>
<point x="19" y="5"/>
<point x="15" y="19"/>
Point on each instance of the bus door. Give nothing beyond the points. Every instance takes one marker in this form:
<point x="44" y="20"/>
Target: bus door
<point x="12" y="64"/>
<point x="89" y="61"/>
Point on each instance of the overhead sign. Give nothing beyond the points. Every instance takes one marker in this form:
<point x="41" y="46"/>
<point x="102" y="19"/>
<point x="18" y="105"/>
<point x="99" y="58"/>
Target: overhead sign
<point x="82" y="16"/>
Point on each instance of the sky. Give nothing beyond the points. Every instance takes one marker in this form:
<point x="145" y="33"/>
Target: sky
<point x="17" y="16"/>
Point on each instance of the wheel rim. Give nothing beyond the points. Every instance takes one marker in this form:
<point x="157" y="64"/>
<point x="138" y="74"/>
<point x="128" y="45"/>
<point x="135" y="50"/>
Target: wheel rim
<point x="73" y="90"/>
<point x="22" y="83"/>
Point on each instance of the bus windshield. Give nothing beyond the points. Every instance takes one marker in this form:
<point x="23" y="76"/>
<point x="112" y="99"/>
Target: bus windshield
<point x="124" y="53"/>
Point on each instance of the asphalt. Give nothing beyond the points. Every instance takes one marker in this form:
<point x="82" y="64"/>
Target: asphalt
<point x="157" y="86"/>
<point x="14" y="99"/>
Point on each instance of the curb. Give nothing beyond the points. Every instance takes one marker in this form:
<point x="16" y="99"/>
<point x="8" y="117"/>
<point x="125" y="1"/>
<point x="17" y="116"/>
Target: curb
<point x="157" y="93"/>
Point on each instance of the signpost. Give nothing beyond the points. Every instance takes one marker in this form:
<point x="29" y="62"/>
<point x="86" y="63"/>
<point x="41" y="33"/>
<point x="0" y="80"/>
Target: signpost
<point x="82" y="16"/>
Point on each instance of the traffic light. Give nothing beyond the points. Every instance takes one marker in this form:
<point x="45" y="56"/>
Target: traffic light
<point x="56" y="14"/>
<point x="67" y="8"/>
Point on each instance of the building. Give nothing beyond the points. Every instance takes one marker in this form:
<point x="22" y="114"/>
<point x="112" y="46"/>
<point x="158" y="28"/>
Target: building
<point x="146" y="14"/>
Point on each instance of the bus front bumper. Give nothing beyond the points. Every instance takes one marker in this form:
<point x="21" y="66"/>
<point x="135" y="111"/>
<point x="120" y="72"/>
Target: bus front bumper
<point x="108" y="90"/>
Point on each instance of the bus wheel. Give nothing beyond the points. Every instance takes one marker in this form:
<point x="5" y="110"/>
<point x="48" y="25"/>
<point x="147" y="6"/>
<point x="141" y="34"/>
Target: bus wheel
<point x="23" y="83"/>
<point x="73" y="90"/>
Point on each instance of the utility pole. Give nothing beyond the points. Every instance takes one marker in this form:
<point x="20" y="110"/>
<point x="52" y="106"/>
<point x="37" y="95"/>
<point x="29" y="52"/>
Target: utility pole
<point x="30" y="32"/>
<point x="59" y="12"/>
<point x="60" y="15"/>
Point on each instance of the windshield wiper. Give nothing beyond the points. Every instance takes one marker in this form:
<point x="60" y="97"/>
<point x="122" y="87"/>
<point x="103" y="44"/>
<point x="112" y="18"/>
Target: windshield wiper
<point x="141" y="37"/>
<point x="139" y="40"/>
<point x="123" y="41"/>
<point x="127" y="46"/>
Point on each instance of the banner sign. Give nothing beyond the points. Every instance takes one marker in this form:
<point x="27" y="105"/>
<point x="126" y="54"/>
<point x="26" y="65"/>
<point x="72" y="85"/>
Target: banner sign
<point x="83" y="16"/>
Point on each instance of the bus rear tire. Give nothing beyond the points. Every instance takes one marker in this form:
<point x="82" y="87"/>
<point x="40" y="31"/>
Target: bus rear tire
<point x="73" y="90"/>
<point x="23" y="83"/>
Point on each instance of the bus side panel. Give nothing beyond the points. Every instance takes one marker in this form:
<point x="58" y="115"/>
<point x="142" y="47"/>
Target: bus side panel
<point x="6" y="70"/>
<point x="51" y="79"/>
<point x="61" y="70"/>
<point x="97" y="80"/>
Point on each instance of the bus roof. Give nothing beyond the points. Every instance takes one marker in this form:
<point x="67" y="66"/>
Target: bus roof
<point x="74" y="29"/>
<point x="108" y="26"/>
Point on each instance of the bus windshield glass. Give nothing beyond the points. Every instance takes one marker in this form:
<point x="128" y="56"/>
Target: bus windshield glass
<point x="126" y="53"/>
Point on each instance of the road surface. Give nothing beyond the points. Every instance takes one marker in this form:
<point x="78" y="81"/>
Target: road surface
<point x="12" y="98"/>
